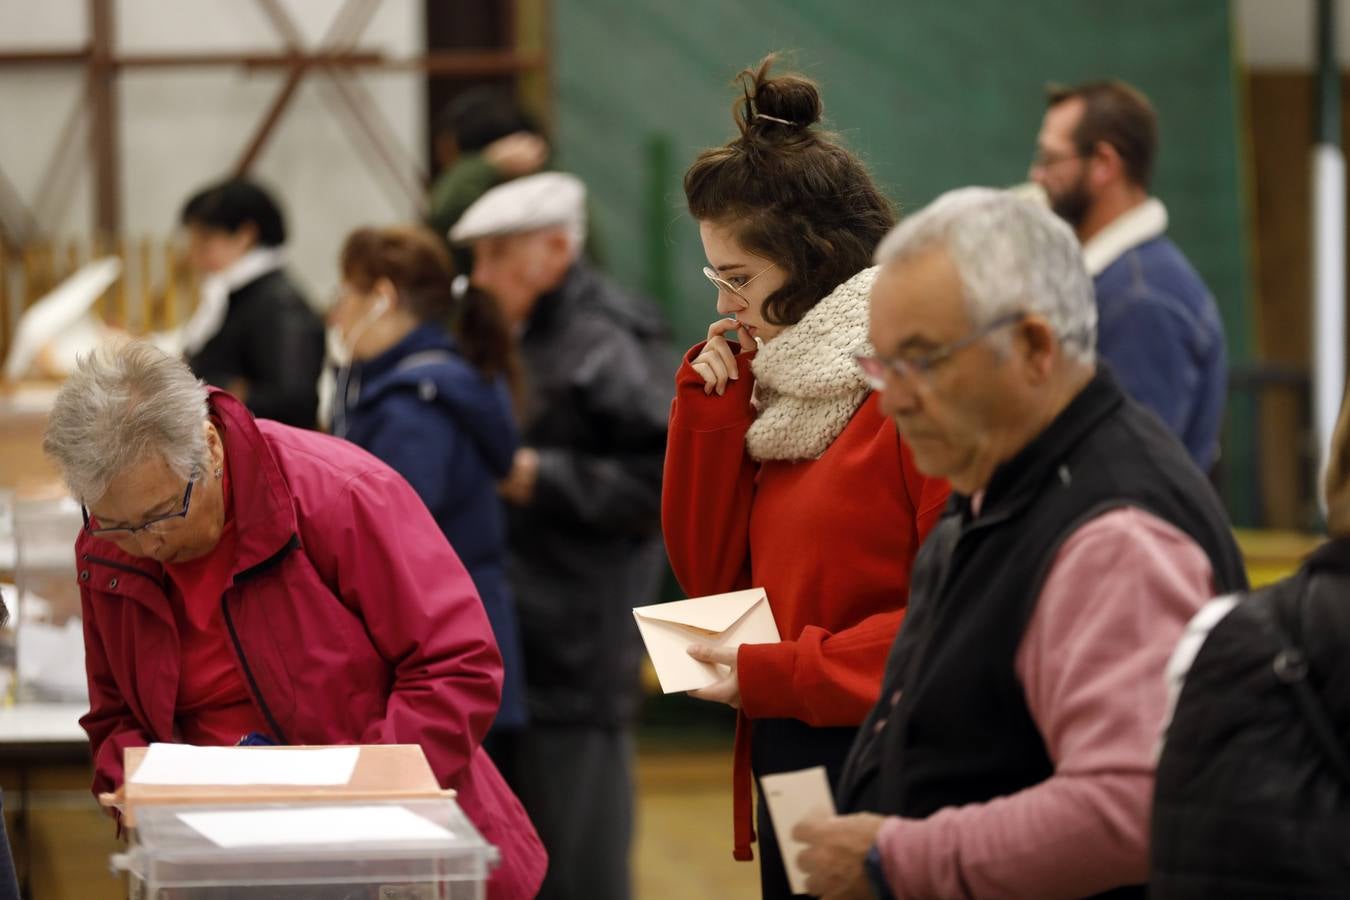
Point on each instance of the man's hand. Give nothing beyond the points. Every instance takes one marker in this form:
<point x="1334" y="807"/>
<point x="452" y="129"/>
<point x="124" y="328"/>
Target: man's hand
<point x="518" y="486"/>
<point x="834" y="854"/>
<point x="517" y="154"/>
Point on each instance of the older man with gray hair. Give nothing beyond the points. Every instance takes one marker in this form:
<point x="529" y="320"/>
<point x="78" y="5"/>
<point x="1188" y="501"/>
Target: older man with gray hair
<point x="1011" y="753"/>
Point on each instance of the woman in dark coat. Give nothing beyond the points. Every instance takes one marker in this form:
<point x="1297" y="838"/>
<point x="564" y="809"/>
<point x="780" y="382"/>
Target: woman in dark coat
<point x="252" y="333"/>
<point x="435" y="407"/>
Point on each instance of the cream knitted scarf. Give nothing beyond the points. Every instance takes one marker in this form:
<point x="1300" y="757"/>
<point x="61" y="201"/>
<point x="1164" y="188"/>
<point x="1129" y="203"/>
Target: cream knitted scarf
<point x="807" y="386"/>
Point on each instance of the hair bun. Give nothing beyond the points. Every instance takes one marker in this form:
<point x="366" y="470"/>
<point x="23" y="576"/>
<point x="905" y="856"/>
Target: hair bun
<point x="776" y="101"/>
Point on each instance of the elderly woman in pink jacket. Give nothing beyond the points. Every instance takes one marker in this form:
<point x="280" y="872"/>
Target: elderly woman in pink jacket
<point x="243" y="580"/>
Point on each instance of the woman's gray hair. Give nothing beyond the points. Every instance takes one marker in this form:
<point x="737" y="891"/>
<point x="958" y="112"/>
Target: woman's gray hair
<point x="125" y="403"/>
<point x="1012" y="255"/>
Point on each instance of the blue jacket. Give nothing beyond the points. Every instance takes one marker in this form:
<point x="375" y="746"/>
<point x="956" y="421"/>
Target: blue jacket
<point x="424" y="410"/>
<point x="1159" y="329"/>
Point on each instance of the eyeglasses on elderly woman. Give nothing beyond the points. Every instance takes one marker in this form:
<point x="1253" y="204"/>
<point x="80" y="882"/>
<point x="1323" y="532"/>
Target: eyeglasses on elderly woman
<point x="153" y="525"/>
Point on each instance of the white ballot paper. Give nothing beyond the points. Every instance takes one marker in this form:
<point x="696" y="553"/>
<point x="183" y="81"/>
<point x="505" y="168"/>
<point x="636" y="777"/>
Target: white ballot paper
<point x="792" y="797"/>
<point x="60" y="315"/>
<point x="186" y="764"/>
<point x="719" y="620"/>
<point x="313" y="825"/>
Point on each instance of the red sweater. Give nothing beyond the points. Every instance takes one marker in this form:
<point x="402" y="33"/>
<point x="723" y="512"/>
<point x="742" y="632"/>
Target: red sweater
<point x="831" y="541"/>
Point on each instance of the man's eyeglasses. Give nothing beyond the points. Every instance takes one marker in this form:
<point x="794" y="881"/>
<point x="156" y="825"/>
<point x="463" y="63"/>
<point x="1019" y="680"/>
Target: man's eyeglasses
<point x="724" y="285"/>
<point x="155" y="525"/>
<point x="1044" y="160"/>
<point x="874" y="368"/>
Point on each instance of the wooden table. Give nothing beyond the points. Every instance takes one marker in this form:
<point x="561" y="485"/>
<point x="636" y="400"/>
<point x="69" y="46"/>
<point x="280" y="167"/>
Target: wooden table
<point x="61" y="839"/>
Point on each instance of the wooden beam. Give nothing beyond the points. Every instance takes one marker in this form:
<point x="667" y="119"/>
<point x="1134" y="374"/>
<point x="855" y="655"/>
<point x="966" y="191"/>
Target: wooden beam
<point x="58" y="180"/>
<point x="18" y="225"/>
<point x="269" y="122"/>
<point x="103" y="138"/>
<point x="386" y="146"/>
<point x="43" y="57"/>
<point x="452" y="62"/>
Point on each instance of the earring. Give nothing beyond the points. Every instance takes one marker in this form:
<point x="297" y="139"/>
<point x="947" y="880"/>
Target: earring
<point x="219" y="473"/>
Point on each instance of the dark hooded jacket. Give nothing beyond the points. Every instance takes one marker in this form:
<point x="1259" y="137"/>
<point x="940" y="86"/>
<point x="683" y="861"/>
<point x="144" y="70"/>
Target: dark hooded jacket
<point x="1250" y="801"/>
<point x="436" y="420"/>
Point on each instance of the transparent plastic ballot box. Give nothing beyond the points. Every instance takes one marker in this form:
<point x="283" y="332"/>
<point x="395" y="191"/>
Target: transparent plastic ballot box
<point x="42" y="650"/>
<point x="421" y="849"/>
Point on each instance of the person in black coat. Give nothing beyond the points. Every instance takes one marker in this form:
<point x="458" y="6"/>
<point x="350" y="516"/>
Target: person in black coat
<point x="253" y="333"/>
<point x="584" y="495"/>
<point x="1252" y="797"/>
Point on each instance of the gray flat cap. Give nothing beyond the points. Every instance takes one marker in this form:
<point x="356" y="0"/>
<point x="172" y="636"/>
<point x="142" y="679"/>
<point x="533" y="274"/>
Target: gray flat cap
<point x="545" y="200"/>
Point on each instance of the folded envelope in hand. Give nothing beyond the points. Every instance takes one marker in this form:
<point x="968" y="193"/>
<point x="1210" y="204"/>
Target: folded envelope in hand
<point x="721" y="620"/>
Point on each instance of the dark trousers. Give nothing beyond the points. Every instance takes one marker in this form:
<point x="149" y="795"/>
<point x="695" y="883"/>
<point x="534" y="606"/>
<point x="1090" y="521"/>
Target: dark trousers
<point x="576" y="782"/>
<point x="786" y="745"/>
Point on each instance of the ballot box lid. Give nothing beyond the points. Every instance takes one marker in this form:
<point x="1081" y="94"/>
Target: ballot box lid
<point x="265" y="846"/>
<point x="381" y="772"/>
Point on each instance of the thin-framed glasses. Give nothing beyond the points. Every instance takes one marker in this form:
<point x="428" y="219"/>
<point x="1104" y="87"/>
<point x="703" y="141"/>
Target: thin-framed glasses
<point x="724" y="285"/>
<point x="874" y="368"/>
<point x="155" y="525"/>
<point x="1044" y="160"/>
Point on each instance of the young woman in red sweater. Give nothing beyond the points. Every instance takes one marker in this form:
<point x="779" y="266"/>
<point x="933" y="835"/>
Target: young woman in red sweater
<point x="781" y="472"/>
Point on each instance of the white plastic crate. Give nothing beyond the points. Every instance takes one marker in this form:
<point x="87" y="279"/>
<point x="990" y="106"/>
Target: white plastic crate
<point x="382" y="850"/>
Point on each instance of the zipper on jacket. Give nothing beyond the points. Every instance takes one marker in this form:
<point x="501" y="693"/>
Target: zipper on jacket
<point x="248" y="673"/>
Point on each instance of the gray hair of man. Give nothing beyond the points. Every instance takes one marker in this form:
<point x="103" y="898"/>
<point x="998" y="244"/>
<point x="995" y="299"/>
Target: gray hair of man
<point x="1012" y="255"/>
<point x="125" y="403"/>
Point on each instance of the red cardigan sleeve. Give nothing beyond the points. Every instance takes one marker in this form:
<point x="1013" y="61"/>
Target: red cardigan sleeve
<point x="709" y="482"/>
<point x="829" y="678"/>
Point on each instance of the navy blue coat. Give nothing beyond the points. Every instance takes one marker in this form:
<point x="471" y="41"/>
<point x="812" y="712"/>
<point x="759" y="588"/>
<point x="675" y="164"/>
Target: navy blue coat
<point x="1159" y="329"/>
<point x="437" y="421"/>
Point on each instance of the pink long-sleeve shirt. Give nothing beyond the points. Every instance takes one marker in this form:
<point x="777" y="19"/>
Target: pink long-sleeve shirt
<point x="1093" y="675"/>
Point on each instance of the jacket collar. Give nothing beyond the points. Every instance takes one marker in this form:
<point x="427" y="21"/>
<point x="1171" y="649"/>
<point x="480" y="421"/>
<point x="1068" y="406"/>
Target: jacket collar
<point x="1018" y="481"/>
<point x="264" y="514"/>
<point x="424" y="337"/>
<point x="1145" y="222"/>
<point x="550" y="308"/>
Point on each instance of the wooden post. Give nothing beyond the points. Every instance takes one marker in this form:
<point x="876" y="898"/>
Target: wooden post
<point x="147" y="313"/>
<point x="30" y="275"/>
<point x="171" y="272"/>
<point x="6" y="311"/>
<point x="103" y="142"/>
<point x="72" y="257"/>
<point x="121" y="307"/>
<point x="99" y="247"/>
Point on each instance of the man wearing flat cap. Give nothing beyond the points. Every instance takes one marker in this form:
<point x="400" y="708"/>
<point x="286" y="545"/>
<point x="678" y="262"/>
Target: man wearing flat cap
<point x="584" y="518"/>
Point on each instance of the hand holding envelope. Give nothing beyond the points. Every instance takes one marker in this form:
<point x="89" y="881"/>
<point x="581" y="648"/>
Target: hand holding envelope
<point x="716" y="621"/>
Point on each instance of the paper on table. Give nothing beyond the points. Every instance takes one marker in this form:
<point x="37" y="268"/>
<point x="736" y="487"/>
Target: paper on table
<point x="186" y="764"/>
<point x="313" y="825"/>
<point x="59" y="313"/>
<point x="792" y="797"/>
<point x="719" y="620"/>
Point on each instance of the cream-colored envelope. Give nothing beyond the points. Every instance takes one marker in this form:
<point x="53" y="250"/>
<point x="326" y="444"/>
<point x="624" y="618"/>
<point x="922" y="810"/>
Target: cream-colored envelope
<point x="720" y="620"/>
<point x="793" y="797"/>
